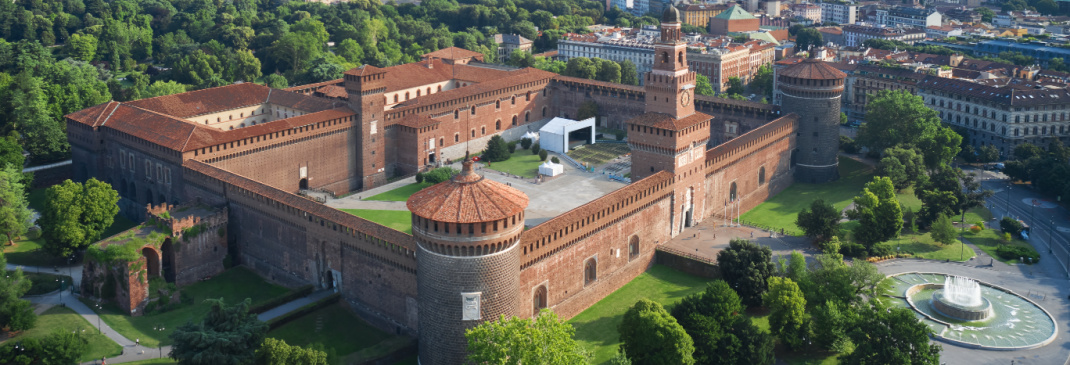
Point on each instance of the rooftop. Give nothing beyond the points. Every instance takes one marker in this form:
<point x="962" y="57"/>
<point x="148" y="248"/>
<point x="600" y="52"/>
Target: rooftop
<point x="1009" y="95"/>
<point x="813" y="69"/>
<point x="734" y="13"/>
<point x="467" y="198"/>
<point x="665" y="121"/>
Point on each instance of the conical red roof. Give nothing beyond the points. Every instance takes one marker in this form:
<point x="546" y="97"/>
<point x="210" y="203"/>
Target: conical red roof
<point x="467" y="198"/>
<point x="813" y="69"/>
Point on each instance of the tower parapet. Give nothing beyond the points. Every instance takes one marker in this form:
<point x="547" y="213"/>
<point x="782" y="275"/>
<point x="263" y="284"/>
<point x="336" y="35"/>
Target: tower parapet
<point x="813" y="89"/>
<point x="468" y="259"/>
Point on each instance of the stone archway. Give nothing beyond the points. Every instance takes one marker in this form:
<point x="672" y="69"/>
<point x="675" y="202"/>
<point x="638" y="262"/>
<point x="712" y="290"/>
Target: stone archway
<point x="167" y="251"/>
<point x="538" y="300"/>
<point x="152" y="260"/>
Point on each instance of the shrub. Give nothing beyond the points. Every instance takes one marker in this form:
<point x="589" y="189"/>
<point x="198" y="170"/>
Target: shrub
<point x="440" y="174"/>
<point x="851" y="249"/>
<point x="975" y="229"/>
<point x="525" y="143"/>
<point x="555" y="159"/>
<point x="620" y="135"/>
<point x="512" y="147"/>
<point x="535" y="149"/>
<point x="542" y="155"/>
<point x="497" y="150"/>
<point x="848" y="145"/>
<point x="33" y="233"/>
<point x="1010" y="225"/>
<point x="1017" y="252"/>
<point x="419" y="177"/>
<point x="880" y="250"/>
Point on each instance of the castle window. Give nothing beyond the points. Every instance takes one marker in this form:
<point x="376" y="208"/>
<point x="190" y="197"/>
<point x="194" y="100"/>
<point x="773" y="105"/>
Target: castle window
<point x="417" y="92"/>
<point x="680" y="57"/>
<point x="497" y="104"/>
<point x="528" y="97"/>
<point x="514" y="120"/>
<point x="406" y="95"/>
<point x="498" y="125"/>
<point x="590" y="271"/>
<point x="544" y="112"/>
<point x="428" y="91"/>
<point x="456" y="114"/>
<point x="441" y="141"/>
<point x="483" y="131"/>
<point x="473" y="133"/>
<point x="473" y="110"/>
<point x="732" y="192"/>
<point x="761" y="176"/>
<point x="633" y="248"/>
<point x="439" y="88"/>
<point x="456" y="137"/>
<point x="538" y="301"/>
<point x="527" y="116"/>
<point x="513" y="100"/>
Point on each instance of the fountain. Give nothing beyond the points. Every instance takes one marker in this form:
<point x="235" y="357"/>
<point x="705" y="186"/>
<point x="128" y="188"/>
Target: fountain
<point x="966" y="312"/>
<point x="961" y="299"/>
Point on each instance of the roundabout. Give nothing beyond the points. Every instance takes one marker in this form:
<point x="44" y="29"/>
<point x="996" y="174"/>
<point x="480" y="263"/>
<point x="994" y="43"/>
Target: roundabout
<point x="973" y="314"/>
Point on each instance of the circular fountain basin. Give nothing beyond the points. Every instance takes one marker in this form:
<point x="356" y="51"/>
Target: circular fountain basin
<point x="1007" y="321"/>
<point x="959" y="311"/>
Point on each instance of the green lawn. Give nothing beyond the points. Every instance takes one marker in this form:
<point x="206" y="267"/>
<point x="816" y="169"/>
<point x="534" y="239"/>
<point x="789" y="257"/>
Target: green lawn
<point x="339" y="331"/>
<point x="44" y="283"/>
<point x="989" y="239"/>
<point x="400" y="220"/>
<point x="400" y="194"/>
<point x="521" y="163"/>
<point x="66" y="320"/>
<point x="781" y="210"/>
<point x="596" y="327"/>
<point x="923" y="246"/>
<point x="29" y="253"/>
<point x="36" y="198"/>
<point x="233" y="286"/>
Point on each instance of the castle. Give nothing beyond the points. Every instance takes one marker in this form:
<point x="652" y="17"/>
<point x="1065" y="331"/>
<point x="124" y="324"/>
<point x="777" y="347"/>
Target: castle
<point x="470" y="258"/>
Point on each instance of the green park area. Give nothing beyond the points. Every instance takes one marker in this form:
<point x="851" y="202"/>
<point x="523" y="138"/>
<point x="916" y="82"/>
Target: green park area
<point x="64" y="319"/>
<point x="233" y="286"/>
<point x="27" y="251"/>
<point x="599" y="153"/>
<point x="521" y="163"/>
<point x="400" y="194"/>
<point x="400" y="220"/>
<point x="345" y="338"/>
<point x="44" y="283"/>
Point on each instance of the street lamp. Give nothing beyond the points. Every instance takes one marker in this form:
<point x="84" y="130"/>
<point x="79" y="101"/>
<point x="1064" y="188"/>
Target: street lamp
<point x="99" y="309"/>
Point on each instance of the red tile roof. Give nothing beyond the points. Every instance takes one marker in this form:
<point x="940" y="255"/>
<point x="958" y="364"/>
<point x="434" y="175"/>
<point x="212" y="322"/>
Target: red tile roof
<point x="665" y="121"/>
<point x="205" y="101"/>
<point x="813" y="69"/>
<point x="453" y="53"/>
<point x="467" y="198"/>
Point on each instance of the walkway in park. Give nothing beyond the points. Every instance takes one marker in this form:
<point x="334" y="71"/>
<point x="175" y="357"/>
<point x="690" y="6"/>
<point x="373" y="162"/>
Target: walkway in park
<point x="132" y="352"/>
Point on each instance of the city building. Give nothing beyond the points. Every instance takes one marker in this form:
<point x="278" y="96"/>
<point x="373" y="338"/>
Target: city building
<point x="832" y="35"/>
<point x="905" y="17"/>
<point x="615" y="45"/>
<point x="699" y="14"/>
<point x="855" y="35"/>
<point x="838" y="13"/>
<point x="472" y="255"/>
<point x="772" y="8"/>
<point x="807" y="11"/>
<point x="507" y="43"/>
<point x="1040" y="51"/>
<point x="946" y="31"/>
<point x="721" y="59"/>
<point x="733" y="20"/>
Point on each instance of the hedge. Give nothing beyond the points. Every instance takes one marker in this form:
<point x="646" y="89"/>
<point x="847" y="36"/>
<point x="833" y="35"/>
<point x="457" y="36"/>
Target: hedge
<point x="298" y="293"/>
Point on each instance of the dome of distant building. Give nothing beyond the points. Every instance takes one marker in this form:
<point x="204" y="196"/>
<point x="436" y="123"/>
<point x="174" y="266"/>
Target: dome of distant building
<point x="670" y="15"/>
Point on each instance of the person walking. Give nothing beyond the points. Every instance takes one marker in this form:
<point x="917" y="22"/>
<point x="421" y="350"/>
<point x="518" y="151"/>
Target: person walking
<point x="137" y="342"/>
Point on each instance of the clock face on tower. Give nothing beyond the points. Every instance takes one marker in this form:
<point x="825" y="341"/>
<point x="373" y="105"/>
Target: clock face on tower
<point x="685" y="98"/>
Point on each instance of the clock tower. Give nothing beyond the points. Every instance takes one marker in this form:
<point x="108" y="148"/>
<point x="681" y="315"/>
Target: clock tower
<point x="670" y="86"/>
<point x="671" y="137"/>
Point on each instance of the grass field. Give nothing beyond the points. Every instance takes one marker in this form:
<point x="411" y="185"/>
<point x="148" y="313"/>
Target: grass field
<point x="400" y="194"/>
<point x="923" y="246"/>
<point x="521" y="163"/>
<point x="46" y="283"/>
<point x="66" y="320"/>
<point x="400" y="220"/>
<point x="596" y="327"/>
<point x="989" y="239"/>
<point x="233" y="286"/>
<point x="599" y="153"/>
<point x="780" y="211"/>
<point x="339" y="331"/>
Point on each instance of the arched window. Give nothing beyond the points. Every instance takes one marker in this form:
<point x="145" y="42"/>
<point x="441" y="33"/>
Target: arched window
<point x="680" y="57"/>
<point x="482" y="131"/>
<point x="456" y="137"/>
<point x="633" y="247"/>
<point x="528" y="96"/>
<point x="417" y="92"/>
<point x="527" y="116"/>
<point x="514" y="120"/>
<point x="664" y="57"/>
<point x="538" y="302"/>
<point x="513" y="100"/>
<point x="473" y="110"/>
<point x="473" y="133"/>
<point x="590" y="271"/>
<point x="441" y="142"/>
<point x="428" y="90"/>
<point x="761" y="176"/>
<point x="456" y="114"/>
<point x="406" y="95"/>
<point x="732" y="192"/>
<point x="497" y="104"/>
<point x="544" y="112"/>
<point x="498" y="125"/>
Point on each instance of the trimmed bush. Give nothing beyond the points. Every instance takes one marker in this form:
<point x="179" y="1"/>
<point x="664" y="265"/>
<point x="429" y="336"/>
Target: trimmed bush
<point x="419" y="177"/>
<point x="555" y="159"/>
<point x="512" y="147"/>
<point x="851" y="249"/>
<point x="535" y="149"/>
<point x="1017" y="252"/>
<point x="440" y="174"/>
<point x="525" y="143"/>
<point x="975" y="229"/>
<point x="620" y="135"/>
<point x="542" y="155"/>
<point x="1011" y="225"/>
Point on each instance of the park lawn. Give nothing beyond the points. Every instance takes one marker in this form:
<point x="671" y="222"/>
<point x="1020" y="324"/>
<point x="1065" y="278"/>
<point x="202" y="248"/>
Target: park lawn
<point x="399" y="220"/>
<point x="66" y="320"/>
<point x="338" y="330"/>
<point x="596" y="327"/>
<point x="46" y="283"/>
<point x="923" y="246"/>
<point x="780" y="211"/>
<point x="521" y="163"/>
<point x="988" y="240"/>
<point x="233" y="286"/>
<point x="29" y="253"/>
<point x="400" y="194"/>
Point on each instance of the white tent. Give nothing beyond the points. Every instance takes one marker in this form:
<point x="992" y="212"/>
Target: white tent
<point x="551" y="169"/>
<point x="554" y="135"/>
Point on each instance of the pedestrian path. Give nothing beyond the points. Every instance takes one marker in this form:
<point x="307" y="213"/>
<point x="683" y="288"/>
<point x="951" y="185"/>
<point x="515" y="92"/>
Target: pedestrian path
<point x="133" y="351"/>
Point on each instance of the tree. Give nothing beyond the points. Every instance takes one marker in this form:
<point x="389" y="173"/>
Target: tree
<point x="324" y="71"/>
<point x="75" y="215"/>
<point x="58" y="347"/>
<point x="942" y="230"/>
<point x="787" y="311"/>
<point x="722" y="335"/>
<point x="276" y="81"/>
<point x="82" y="47"/>
<point x="295" y="50"/>
<point x="15" y="314"/>
<point x="542" y="155"/>
<point x="497" y="150"/>
<point x="161" y="88"/>
<point x="878" y="211"/>
<point x="11" y="151"/>
<point x="608" y="71"/>
<point x="763" y="82"/>
<point x="650" y="336"/>
<point x="891" y="336"/>
<point x="755" y="345"/>
<point x="350" y="50"/>
<point x="278" y="352"/>
<point x="42" y="135"/>
<point x="14" y="212"/>
<point x="897" y="118"/>
<point x="829" y="325"/>
<point x="520" y="58"/>
<point x="907" y="169"/>
<point x="939" y="150"/>
<point x="820" y="221"/>
<point x="226" y="335"/>
<point x="735" y="86"/>
<point x="973" y="196"/>
<point x="544" y="339"/>
<point x="535" y="148"/>
<point x="986" y="14"/>
<point x="629" y="75"/>
<point x="703" y="86"/>
<point x="581" y="67"/>
<point x="244" y="66"/>
<point x="808" y="38"/>
<point x="747" y="268"/>
<point x="1027" y="151"/>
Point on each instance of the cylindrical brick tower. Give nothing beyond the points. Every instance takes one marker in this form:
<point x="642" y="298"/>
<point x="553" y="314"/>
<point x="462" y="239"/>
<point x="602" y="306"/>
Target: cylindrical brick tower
<point x="812" y="89"/>
<point x="468" y="260"/>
